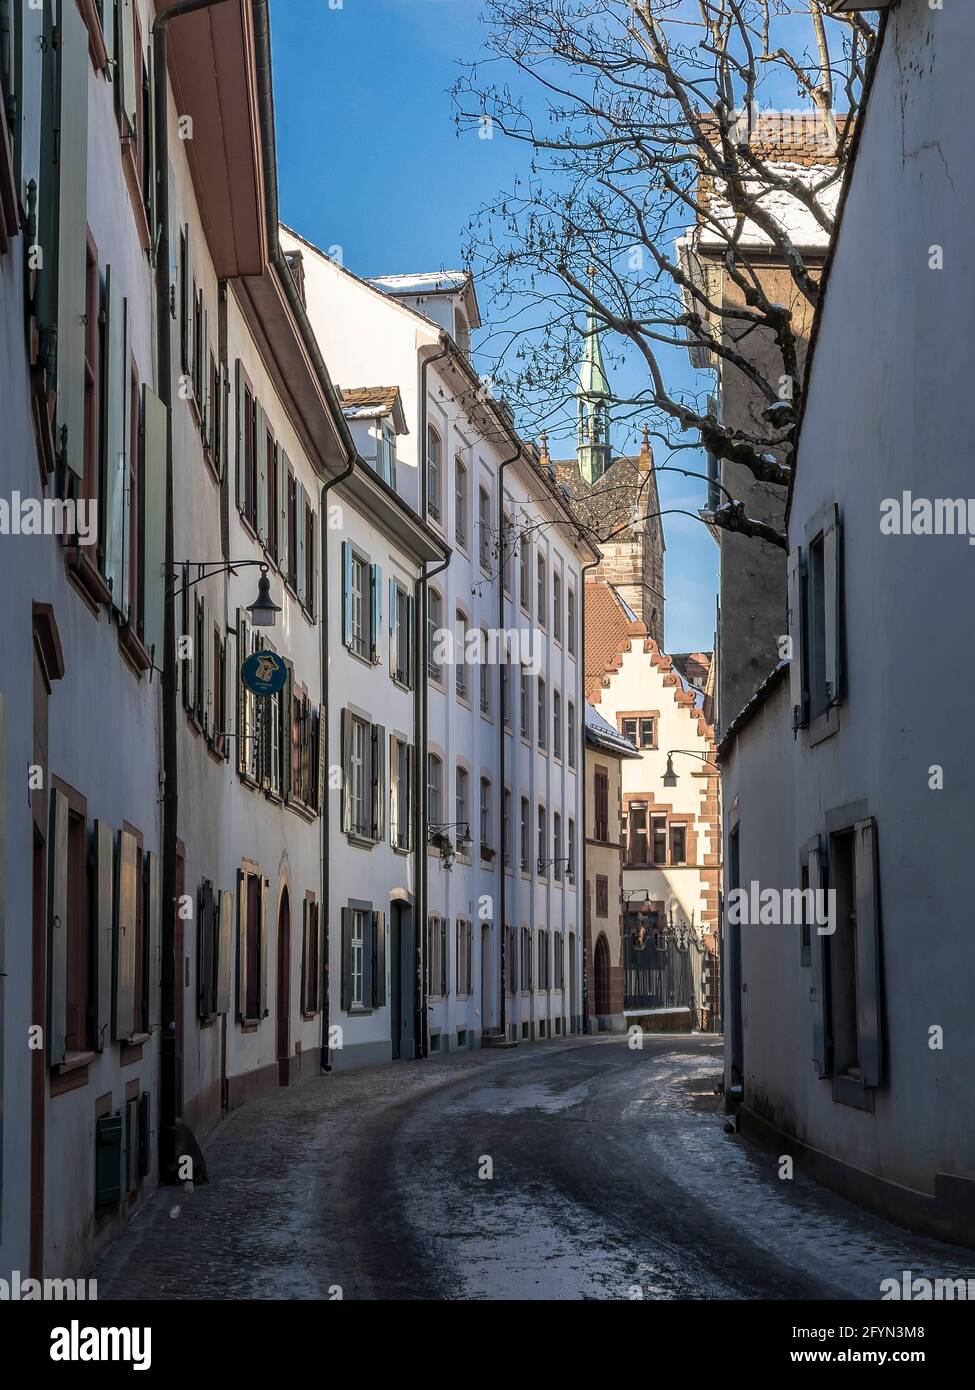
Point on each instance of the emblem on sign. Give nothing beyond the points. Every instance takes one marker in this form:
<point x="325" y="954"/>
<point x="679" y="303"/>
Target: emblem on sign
<point x="264" y="673"/>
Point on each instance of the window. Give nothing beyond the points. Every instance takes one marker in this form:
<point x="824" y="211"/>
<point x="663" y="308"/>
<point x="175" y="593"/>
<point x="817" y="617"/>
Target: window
<point x="556" y="723"/>
<point x="484" y="675"/>
<point x="526" y="574"/>
<point x="637" y="831"/>
<point x="358" y="947"/>
<point x="506" y="827"/>
<point x="557" y="607"/>
<point x="271" y="485"/>
<point x="542" y="959"/>
<point x="462" y="808"/>
<point x="310" y="959"/>
<point x="485" y="814"/>
<point x="132" y="593"/>
<point x="542" y="591"/>
<point x="571" y="853"/>
<point x="526" y="959"/>
<point x="463" y="956"/>
<point x="292" y="572"/>
<point x="387" y="453"/>
<point x="401" y="635"/>
<point x="400" y="794"/>
<point x="570" y="621"/>
<point x="600" y="829"/>
<point x="434" y="624"/>
<point x="71" y="904"/>
<point x="815" y="623"/>
<point x="658" y="826"/>
<point x="434" y="790"/>
<point x="641" y="731"/>
<point x="484" y="528"/>
<point x="602" y="895"/>
<point x="252" y="986"/>
<point x="460" y="504"/>
<point x="92" y="353"/>
<point x="572" y="734"/>
<point x="558" y="956"/>
<point x="363" y="777"/>
<point x="542" y="841"/>
<point x="460" y="653"/>
<point x="542" y="713"/>
<point x="510" y="961"/>
<point x="507" y="546"/>
<point x="525" y="833"/>
<point x="434" y="472"/>
<point x="504" y="671"/>
<point x="678" y="844"/>
<point x="311" y="573"/>
<point x="526" y="723"/>
<point x="357" y="601"/>
<point x="437" y="956"/>
<point x="250" y="457"/>
<point x="557" y="845"/>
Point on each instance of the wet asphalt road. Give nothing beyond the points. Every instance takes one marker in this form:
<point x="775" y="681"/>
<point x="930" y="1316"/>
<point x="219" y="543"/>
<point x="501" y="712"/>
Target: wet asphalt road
<point x="565" y="1170"/>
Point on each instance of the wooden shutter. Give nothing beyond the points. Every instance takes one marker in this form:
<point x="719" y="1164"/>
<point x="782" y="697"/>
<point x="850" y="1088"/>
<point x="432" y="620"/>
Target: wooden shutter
<point x="287" y="731"/>
<point x="822" y="1041"/>
<point x="832" y="556"/>
<point x="377" y="768"/>
<point x="346" y="993"/>
<point x="241" y="945"/>
<point x="395" y="811"/>
<point x="868" y="953"/>
<point x="376" y="613"/>
<point x="265" y="894"/>
<point x="206" y="660"/>
<point x="104" y="918"/>
<point x="223" y="416"/>
<point x="72" y="235"/>
<point x="315" y="576"/>
<point x="108" y="1162"/>
<point x="57" y="934"/>
<point x="305" y="956"/>
<point x="126" y="89"/>
<point x="284" y="543"/>
<point x="155" y="434"/>
<point x="108" y="33"/>
<point x="241" y="394"/>
<point x="393" y="630"/>
<point x="347" y="630"/>
<point x="153" y="942"/>
<point x="261" y="500"/>
<point x="126" y="929"/>
<point x="368" y="936"/>
<point x="204" y="950"/>
<point x="225" y="952"/>
<point x="300" y="584"/>
<point x="798" y="675"/>
<point x="410" y="658"/>
<point x="116" y="435"/>
<point x="346" y="719"/>
<point x="150" y="136"/>
<point x="243" y="746"/>
<point x="187" y="666"/>
<point x="409" y="796"/>
<point x="378" y="959"/>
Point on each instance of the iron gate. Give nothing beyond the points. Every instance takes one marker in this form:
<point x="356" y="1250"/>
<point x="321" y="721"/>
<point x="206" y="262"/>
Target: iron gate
<point x="663" y="965"/>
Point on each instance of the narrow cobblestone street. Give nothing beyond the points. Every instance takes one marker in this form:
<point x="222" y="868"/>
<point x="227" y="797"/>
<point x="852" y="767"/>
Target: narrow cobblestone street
<point x="611" y="1173"/>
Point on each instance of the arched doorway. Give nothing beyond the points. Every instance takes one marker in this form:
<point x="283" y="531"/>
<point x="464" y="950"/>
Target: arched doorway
<point x="601" y="977"/>
<point x="284" y="990"/>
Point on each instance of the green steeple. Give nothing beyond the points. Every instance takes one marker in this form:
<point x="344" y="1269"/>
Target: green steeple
<point x="593" y="450"/>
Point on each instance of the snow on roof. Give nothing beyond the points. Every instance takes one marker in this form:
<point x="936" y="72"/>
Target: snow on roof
<point x="601" y="731"/>
<point x="430" y="282"/>
<point x="790" y="214"/>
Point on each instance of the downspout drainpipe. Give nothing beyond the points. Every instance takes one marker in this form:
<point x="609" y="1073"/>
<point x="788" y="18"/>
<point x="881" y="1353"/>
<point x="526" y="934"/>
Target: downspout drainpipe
<point x="584" y="1001"/>
<point x="168" y="1087"/>
<point x="265" y="96"/>
<point x="420" y="818"/>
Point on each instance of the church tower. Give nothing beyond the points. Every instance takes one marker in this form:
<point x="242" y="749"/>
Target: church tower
<point x="593" y="449"/>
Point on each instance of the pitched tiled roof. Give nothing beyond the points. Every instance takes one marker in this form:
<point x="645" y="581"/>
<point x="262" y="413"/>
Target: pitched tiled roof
<point x="609" y="630"/>
<point x="606" y="508"/>
<point x="693" y="666"/>
<point x="379" y="398"/>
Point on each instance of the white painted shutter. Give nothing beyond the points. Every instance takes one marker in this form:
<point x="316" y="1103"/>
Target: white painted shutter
<point x="153" y="939"/>
<point x="155" y="433"/>
<point x="300" y="543"/>
<point x="798" y="676"/>
<point x="104" y="920"/>
<point x="283" y="540"/>
<point x="822" y="1042"/>
<point x="241" y="944"/>
<point x="126" y="86"/>
<point x="126" y="926"/>
<point x="225" y="952"/>
<point x="241" y="395"/>
<point x="115" y="461"/>
<point x="265" y="894"/>
<point x="261" y="446"/>
<point x="72" y="236"/>
<point x="832" y="604"/>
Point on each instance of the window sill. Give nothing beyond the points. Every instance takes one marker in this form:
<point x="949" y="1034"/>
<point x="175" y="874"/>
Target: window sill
<point x="85" y="577"/>
<point x="73" y="1061"/>
<point x="360" y="841"/>
<point x="132" y="649"/>
<point x="249" y="1025"/>
<point x="852" y="1091"/>
<point x="358" y="1011"/>
<point x="824" y="726"/>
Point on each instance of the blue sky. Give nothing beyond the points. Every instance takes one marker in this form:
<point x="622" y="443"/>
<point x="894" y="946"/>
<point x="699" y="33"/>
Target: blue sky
<point x="369" y="160"/>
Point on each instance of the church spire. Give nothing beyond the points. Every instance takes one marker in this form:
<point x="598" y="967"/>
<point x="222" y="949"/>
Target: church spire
<point x="593" y="449"/>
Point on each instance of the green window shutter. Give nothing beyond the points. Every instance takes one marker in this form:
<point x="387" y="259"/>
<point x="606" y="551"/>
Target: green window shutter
<point x="378" y="766"/>
<point x="283" y="539"/>
<point x="150" y="192"/>
<point x="207" y="659"/>
<point x="185" y="311"/>
<point x="393" y="630"/>
<point x="154" y="944"/>
<point x="204" y="950"/>
<point x="126" y="88"/>
<point x="822" y="1041"/>
<point x="115" y="435"/>
<point x="315" y="576"/>
<point x="798" y="676"/>
<point x="57" y="932"/>
<point x="832" y="574"/>
<point x="223" y="417"/>
<point x="868" y="953"/>
<point x="347" y="633"/>
<point x="376" y="618"/>
<point x="410" y="658"/>
<point x="346" y="767"/>
<point x="188" y="663"/>
<point x="346" y="993"/>
<point x="368" y="937"/>
<point x="410" y="773"/>
<point x="300" y="543"/>
<point x="378" y="959"/>
<point x="265" y="894"/>
<point x="261" y="447"/>
<point x="305" y="956"/>
<point x="155" y="418"/>
<point x="241" y="945"/>
<point x="108" y="32"/>
<point x="242" y="744"/>
<point x="72" y="237"/>
<point x="108" y="1162"/>
<point x="126" y="926"/>
<point x="285" y="734"/>
<point x="240" y="392"/>
<point x="225" y="951"/>
<point x="104" y="917"/>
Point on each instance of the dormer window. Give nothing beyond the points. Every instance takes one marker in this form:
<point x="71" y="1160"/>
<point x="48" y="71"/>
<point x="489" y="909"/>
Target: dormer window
<point x="387" y="453"/>
<point x="462" y="334"/>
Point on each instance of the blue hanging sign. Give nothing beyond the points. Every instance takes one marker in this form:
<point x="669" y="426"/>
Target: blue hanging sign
<point x="264" y="673"/>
